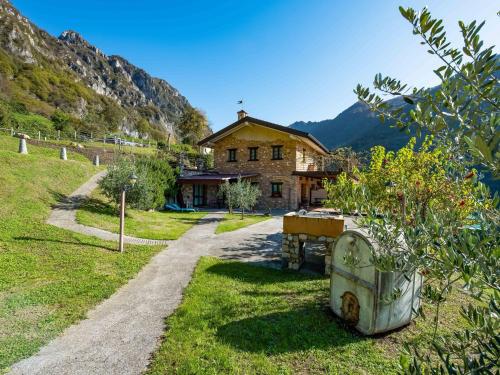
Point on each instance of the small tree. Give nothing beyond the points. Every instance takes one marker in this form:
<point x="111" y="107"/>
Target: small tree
<point x="227" y="192"/>
<point x="246" y="195"/>
<point x="456" y="252"/>
<point x="112" y="184"/>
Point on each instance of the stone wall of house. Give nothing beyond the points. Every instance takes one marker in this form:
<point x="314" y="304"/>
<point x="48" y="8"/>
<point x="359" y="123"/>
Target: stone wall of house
<point x="293" y="249"/>
<point x="269" y="170"/>
<point x="307" y="159"/>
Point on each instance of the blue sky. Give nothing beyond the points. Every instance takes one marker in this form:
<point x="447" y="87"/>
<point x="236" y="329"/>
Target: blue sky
<point x="288" y="60"/>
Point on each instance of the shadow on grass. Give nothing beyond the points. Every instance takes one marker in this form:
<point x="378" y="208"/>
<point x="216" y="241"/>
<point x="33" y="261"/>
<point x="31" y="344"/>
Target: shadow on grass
<point x="64" y="202"/>
<point x="259" y="275"/>
<point x="308" y="324"/>
<point x="97" y="206"/>
<point x="78" y="243"/>
<point x="287" y="331"/>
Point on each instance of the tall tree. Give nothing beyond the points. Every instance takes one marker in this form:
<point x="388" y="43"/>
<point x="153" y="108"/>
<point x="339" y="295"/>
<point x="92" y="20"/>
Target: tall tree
<point x="193" y="126"/>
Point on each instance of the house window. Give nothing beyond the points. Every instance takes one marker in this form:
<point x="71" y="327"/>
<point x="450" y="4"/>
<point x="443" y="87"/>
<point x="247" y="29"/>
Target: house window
<point x="252" y="154"/>
<point x="231" y="154"/>
<point x="276" y="189"/>
<point x="303" y="155"/>
<point x="277" y="152"/>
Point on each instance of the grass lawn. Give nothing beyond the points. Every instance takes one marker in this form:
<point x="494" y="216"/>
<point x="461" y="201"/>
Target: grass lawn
<point x="49" y="277"/>
<point x="240" y="319"/>
<point x="232" y="222"/>
<point x="96" y="212"/>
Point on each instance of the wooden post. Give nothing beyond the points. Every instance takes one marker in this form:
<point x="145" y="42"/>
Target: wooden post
<point x="39" y="136"/>
<point x="122" y="220"/>
<point x="58" y="134"/>
<point x="75" y="135"/>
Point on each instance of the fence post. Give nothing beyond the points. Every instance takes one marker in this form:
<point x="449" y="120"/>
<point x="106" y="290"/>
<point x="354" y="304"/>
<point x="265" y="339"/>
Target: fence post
<point x="75" y="135"/>
<point x="39" y="135"/>
<point x="90" y="136"/>
<point x="58" y="135"/>
<point x="11" y="132"/>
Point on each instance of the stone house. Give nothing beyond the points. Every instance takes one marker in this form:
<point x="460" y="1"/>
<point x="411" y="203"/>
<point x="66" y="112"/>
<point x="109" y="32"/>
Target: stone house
<point x="286" y="164"/>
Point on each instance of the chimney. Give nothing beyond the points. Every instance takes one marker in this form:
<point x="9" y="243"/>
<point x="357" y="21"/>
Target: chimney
<point x="242" y="114"/>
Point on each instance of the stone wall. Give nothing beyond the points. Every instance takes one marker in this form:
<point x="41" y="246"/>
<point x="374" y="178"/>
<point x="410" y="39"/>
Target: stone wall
<point x="294" y="250"/>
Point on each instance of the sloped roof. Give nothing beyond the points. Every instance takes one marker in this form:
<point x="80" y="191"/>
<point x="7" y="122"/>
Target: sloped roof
<point x="266" y="124"/>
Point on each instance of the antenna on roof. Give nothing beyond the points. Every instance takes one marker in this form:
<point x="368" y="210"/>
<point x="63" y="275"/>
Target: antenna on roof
<point x="240" y="102"/>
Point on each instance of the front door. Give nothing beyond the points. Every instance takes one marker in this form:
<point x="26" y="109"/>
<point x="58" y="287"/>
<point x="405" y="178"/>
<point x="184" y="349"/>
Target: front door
<point x="303" y="193"/>
<point x="199" y="195"/>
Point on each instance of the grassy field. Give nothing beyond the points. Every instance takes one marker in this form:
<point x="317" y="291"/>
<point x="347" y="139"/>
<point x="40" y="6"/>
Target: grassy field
<point x="240" y="319"/>
<point x="96" y="212"/>
<point x="232" y="222"/>
<point x="49" y="277"/>
<point x="107" y="146"/>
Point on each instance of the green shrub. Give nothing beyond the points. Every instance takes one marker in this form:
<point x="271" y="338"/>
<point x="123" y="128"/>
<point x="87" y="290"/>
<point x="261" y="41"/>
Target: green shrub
<point x="32" y="124"/>
<point x="60" y="119"/>
<point x="184" y="148"/>
<point x="155" y="182"/>
<point x="161" y="178"/>
<point x="5" y="115"/>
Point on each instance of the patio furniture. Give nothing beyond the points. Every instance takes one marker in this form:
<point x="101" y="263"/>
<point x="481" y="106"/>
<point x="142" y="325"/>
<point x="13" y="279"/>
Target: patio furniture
<point x="176" y="208"/>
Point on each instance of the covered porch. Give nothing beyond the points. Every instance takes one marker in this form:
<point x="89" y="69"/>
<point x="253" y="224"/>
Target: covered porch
<point x="201" y="190"/>
<point x="311" y="192"/>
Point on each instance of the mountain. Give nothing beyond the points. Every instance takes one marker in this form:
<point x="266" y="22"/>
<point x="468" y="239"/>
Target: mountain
<point x="361" y="129"/>
<point x="356" y="127"/>
<point x="44" y="73"/>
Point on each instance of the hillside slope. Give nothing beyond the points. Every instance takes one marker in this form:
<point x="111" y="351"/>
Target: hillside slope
<point x="43" y="73"/>
<point x="49" y="277"/>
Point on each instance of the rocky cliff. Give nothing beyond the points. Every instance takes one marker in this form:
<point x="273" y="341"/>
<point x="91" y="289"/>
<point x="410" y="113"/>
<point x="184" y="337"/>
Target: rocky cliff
<point x="125" y="92"/>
